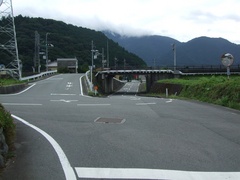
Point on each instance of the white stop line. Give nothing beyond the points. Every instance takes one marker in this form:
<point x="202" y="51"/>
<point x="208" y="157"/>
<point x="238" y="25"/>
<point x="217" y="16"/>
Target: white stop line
<point x="132" y="173"/>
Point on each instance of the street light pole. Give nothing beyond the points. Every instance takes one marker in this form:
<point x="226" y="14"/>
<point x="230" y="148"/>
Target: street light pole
<point x="92" y="67"/>
<point x="47" y="51"/>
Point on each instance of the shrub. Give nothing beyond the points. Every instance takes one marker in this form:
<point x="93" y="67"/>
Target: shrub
<point x="6" y="122"/>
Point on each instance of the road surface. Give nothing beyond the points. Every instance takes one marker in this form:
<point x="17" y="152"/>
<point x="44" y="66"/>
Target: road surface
<point x="62" y="134"/>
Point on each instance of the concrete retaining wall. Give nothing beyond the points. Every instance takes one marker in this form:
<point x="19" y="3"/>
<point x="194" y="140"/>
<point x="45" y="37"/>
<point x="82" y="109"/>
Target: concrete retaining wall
<point x="12" y="89"/>
<point x="160" y="88"/>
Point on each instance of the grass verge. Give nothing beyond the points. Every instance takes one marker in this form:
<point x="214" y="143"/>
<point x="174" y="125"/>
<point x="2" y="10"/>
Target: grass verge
<point x="9" y="81"/>
<point x="212" y="89"/>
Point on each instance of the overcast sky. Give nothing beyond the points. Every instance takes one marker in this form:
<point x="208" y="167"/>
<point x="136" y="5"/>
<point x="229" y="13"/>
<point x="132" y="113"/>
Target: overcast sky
<point x="180" y="19"/>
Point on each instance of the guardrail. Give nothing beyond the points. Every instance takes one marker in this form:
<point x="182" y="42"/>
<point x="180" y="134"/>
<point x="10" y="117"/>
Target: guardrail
<point x="208" y="73"/>
<point x="38" y="76"/>
<point x="90" y="86"/>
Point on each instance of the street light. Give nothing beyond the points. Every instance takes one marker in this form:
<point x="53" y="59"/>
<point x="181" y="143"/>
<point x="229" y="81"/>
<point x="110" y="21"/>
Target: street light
<point x="47" y="51"/>
<point x="94" y="56"/>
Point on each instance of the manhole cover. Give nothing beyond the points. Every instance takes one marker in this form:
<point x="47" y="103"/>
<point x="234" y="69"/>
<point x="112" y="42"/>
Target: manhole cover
<point x="110" y="120"/>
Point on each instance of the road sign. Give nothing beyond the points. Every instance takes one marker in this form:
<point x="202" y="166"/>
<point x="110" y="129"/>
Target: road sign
<point x="227" y="59"/>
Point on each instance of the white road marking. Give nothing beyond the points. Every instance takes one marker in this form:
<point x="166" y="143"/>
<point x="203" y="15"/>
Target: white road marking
<point x="69" y="85"/>
<point x="169" y="101"/>
<point x="143" y="104"/>
<point x="132" y="173"/>
<point x="68" y="170"/>
<point x="56" y="94"/>
<point x="135" y="99"/>
<point x="94" y="104"/>
<point x="21" y="104"/>
<point x="63" y="100"/>
<point x="54" y="78"/>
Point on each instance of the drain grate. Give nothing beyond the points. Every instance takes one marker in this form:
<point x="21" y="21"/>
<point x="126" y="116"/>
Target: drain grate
<point x="110" y="120"/>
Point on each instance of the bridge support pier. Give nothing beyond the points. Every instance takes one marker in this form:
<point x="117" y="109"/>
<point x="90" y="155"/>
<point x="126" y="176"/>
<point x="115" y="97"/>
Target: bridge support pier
<point x="106" y="82"/>
<point x="151" y="78"/>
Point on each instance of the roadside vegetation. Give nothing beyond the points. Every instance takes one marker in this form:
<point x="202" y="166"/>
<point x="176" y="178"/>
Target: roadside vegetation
<point x="8" y="127"/>
<point x="9" y="81"/>
<point x="212" y="89"/>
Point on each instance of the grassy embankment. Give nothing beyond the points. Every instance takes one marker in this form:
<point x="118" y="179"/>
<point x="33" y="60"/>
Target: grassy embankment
<point x="212" y="89"/>
<point x="6" y="121"/>
<point x="9" y="81"/>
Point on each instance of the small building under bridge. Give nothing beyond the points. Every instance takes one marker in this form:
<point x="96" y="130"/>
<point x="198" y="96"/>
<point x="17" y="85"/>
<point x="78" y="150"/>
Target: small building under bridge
<point x="105" y="78"/>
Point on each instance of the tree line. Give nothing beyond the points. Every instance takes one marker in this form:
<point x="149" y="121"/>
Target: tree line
<point x="66" y="41"/>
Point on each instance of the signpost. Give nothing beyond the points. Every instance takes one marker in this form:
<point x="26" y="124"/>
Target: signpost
<point x="227" y="61"/>
<point x="95" y="90"/>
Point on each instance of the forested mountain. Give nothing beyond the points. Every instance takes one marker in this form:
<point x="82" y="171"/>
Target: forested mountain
<point x="196" y="52"/>
<point x="68" y="42"/>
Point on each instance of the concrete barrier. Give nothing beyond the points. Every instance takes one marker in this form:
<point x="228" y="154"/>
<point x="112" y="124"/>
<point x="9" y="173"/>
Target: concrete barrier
<point x="12" y="88"/>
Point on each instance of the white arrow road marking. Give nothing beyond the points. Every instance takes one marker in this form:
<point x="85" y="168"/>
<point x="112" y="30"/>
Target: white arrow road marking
<point x="169" y="101"/>
<point x="69" y="85"/>
<point x="132" y="173"/>
<point x="68" y="170"/>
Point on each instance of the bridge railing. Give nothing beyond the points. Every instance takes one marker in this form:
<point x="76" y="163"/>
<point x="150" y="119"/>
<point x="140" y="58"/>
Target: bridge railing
<point x="38" y="76"/>
<point x="185" y="69"/>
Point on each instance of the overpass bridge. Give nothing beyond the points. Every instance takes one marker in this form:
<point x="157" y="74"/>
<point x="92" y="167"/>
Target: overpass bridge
<point x="105" y="78"/>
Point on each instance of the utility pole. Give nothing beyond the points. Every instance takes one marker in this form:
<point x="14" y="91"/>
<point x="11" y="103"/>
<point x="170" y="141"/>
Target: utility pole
<point x="115" y="61"/>
<point x="91" y="70"/>
<point x="174" y="57"/>
<point x="103" y="61"/>
<point x="47" y="50"/>
<point x="36" y="61"/>
<point x="107" y="55"/>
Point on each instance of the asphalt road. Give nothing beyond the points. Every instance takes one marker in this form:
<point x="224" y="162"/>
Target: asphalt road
<point x="129" y="88"/>
<point x="61" y="135"/>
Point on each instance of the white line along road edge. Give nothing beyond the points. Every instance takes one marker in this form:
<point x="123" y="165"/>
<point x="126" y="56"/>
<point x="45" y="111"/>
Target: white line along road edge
<point x="132" y="173"/>
<point x="68" y="170"/>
